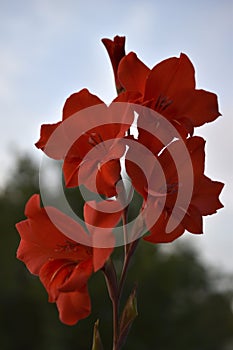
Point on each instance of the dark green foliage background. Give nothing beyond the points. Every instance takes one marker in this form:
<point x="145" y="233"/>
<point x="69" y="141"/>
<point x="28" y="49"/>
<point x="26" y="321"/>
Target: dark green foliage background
<point x="181" y="306"/>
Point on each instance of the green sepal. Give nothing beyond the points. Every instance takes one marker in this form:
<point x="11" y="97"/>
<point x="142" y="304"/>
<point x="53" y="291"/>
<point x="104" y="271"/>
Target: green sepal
<point x="97" y="343"/>
<point x="129" y="314"/>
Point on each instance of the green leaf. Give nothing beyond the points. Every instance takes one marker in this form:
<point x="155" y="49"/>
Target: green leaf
<point x="129" y="314"/>
<point x="97" y="343"/>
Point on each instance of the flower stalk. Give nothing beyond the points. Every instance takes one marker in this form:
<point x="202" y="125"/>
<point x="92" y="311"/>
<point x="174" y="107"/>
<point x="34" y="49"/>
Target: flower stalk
<point x="115" y="290"/>
<point x="165" y="164"/>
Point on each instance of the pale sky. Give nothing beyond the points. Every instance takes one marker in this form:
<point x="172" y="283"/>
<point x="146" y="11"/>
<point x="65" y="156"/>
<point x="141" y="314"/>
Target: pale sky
<point x="52" y="48"/>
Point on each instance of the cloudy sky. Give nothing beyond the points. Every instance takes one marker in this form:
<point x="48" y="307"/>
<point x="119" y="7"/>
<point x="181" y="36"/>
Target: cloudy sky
<point x="52" y="48"/>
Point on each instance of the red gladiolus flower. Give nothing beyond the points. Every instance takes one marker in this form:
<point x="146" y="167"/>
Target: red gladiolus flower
<point x="93" y="156"/>
<point x="63" y="265"/>
<point x="169" y="89"/>
<point x="204" y="197"/>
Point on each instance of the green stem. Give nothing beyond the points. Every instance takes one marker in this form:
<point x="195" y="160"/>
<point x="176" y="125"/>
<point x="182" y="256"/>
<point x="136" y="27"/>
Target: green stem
<point x="124" y="222"/>
<point x="128" y="256"/>
<point x="115" y="324"/>
<point x="111" y="281"/>
<point x="115" y="289"/>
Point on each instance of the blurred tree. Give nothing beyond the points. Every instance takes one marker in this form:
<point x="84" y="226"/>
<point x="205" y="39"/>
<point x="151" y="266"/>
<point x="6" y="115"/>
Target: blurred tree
<point x="183" y="309"/>
<point x="179" y="305"/>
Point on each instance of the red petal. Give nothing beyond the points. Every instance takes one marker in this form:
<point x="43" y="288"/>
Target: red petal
<point x="101" y="218"/>
<point x="137" y="177"/>
<point x="116" y="51"/>
<point x="70" y="169"/>
<point x="79" y="277"/>
<point x="202" y="107"/>
<point x="73" y="306"/>
<point x="33" y="206"/>
<point x="53" y="274"/>
<point x="174" y="160"/>
<point x="78" y="101"/>
<point x="100" y="256"/>
<point x="100" y="170"/>
<point x="133" y="73"/>
<point x="206" y="193"/>
<point x="107" y="178"/>
<point x="150" y="141"/>
<point x="154" y="131"/>
<point x="184" y="126"/>
<point x="45" y="133"/>
<point x="128" y="96"/>
<point x="158" y="231"/>
<point x="139" y="166"/>
<point x="31" y="254"/>
<point x="169" y="76"/>
<point x="192" y="221"/>
<point x="45" y="240"/>
<point x="196" y="148"/>
<point x="198" y="106"/>
<point x="104" y="214"/>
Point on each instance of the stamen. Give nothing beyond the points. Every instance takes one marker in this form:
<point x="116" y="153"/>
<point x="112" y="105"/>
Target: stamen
<point x="92" y="138"/>
<point x="95" y="139"/>
<point x="69" y="263"/>
<point x="162" y="103"/>
<point x="172" y="188"/>
<point x="68" y="247"/>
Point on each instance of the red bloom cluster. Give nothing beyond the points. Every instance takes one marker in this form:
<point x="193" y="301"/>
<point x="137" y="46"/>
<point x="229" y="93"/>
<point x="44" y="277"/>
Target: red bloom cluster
<point x="92" y="139"/>
<point x="63" y="265"/>
<point x="168" y="89"/>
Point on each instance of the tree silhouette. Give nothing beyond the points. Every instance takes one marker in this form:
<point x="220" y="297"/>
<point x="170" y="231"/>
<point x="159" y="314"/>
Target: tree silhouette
<point x="179" y="305"/>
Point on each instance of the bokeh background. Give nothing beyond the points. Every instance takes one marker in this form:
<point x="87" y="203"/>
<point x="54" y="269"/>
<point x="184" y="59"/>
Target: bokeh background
<point x="52" y="48"/>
